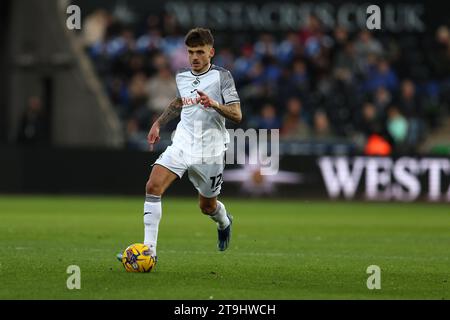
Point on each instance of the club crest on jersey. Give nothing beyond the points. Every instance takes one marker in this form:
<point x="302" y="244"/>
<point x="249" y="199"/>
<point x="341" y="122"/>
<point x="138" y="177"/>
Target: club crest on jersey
<point x="196" y="82"/>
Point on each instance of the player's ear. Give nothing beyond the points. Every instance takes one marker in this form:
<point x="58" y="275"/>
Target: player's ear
<point x="212" y="52"/>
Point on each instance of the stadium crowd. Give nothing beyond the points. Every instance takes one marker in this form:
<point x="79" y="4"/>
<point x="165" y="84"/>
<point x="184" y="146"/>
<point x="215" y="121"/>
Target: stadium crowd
<point x="312" y="84"/>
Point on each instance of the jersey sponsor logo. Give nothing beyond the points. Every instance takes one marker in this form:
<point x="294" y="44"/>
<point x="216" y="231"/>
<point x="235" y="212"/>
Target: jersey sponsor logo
<point x="190" y="101"/>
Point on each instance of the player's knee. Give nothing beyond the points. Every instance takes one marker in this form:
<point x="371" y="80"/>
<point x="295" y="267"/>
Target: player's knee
<point x="154" y="188"/>
<point x="207" y="208"/>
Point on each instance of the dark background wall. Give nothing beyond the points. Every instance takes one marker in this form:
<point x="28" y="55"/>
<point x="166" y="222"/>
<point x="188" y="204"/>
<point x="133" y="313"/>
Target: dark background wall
<point x="102" y="171"/>
<point x="4" y="62"/>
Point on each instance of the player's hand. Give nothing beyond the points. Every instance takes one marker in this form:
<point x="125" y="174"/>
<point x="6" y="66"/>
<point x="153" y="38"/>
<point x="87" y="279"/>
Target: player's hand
<point x="153" y="135"/>
<point x="206" y="101"/>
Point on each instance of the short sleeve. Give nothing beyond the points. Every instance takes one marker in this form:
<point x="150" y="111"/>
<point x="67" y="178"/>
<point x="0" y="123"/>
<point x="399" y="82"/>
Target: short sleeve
<point x="179" y="71"/>
<point x="229" y="92"/>
<point x="176" y="86"/>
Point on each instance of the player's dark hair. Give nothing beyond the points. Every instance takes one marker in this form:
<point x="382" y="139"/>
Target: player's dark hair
<point x="199" y="37"/>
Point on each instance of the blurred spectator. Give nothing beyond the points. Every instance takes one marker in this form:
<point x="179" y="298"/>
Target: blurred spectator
<point x="317" y="44"/>
<point x="294" y="127"/>
<point x="271" y="74"/>
<point x="311" y="29"/>
<point x="409" y="103"/>
<point x="341" y="102"/>
<point x="365" y="47"/>
<point x="119" y="95"/>
<point x="341" y="37"/>
<point x="268" y="118"/>
<point x="244" y="63"/>
<point x="397" y="125"/>
<point x="133" y="133"/>
<point x="440" y="55"/>
<point x="346" y="58"/>
<point x="95" y="26"/>
<point x="137" y="89"/>
<point x="411" y="106"/>
<point x="121" y="44"/>
<point x="33" y="128"/>
<point x="370" y="122"/>
<point x="289" y="48"/>
<point x="265" y="46"/>
<point x="299" y="78"/>
<point x="382" y="99"/>
<point x="134" y="64"/>
<point x="321" y="128"/>
<point x="161" y="89"/>
<point x="255" y="82"/>
<point x="152" y="40"/>
<point x="381" y="76"/>
<point x="225" y="58"/>
<point x="138" y="97"/>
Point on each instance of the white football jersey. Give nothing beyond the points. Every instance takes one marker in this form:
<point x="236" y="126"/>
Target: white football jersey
<point x="201" y="131"/>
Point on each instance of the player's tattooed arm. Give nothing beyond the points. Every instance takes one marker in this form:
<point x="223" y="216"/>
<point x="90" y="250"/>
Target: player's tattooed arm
<point x="230" y="111"/>
<point x="172" y="111"/>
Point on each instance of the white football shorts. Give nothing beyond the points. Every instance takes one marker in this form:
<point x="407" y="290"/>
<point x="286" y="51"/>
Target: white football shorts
<point x="206" y="174"/>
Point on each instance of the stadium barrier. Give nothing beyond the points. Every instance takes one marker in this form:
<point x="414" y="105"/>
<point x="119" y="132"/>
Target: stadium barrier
<point x="95" y="171"/>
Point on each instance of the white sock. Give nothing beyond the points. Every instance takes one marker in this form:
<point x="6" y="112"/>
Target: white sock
<point x="220" y="216"/>
<point x="152" y="216"/>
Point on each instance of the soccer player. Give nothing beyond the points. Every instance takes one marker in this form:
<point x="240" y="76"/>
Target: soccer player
<point x="206" y="96"/>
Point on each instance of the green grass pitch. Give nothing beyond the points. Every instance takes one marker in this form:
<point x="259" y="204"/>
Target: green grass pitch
<point x="279" y="250"/>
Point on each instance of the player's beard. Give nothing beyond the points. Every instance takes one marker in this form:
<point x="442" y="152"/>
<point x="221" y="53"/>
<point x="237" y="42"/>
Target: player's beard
<point x="199" y="67"/>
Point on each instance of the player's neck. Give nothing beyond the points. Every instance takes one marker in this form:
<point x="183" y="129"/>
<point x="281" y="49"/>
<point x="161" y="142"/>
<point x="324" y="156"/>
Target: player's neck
<point x="206" y="68"/>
